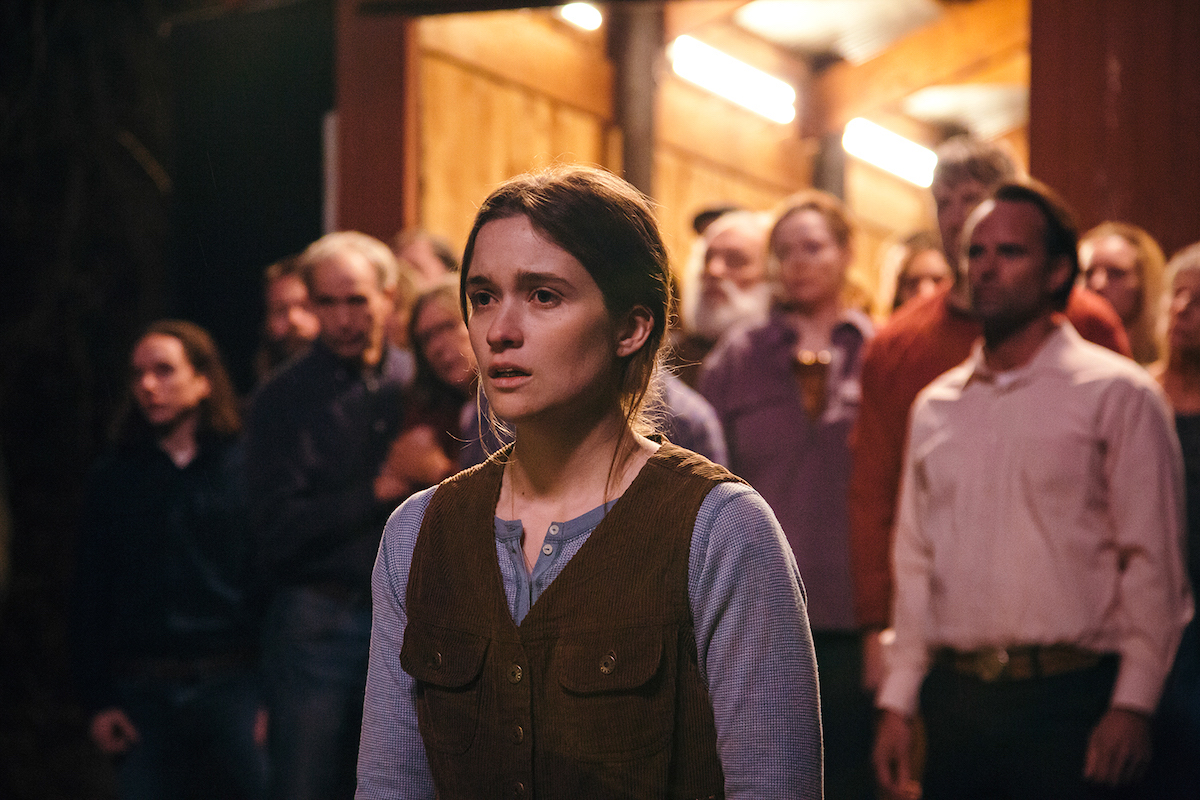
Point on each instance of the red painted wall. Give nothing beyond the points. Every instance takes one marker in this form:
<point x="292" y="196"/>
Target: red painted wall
<point x="376" y="160"/>
<point x="1115" y="111"/>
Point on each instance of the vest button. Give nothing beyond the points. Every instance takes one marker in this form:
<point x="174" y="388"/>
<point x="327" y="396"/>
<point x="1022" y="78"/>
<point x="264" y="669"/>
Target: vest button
<point x="608" y="663"/>
<point x="514" y="673"/>
<point x="518" y="734"/>
<point x="435" y="660"/>
<point x="518" y="789"/>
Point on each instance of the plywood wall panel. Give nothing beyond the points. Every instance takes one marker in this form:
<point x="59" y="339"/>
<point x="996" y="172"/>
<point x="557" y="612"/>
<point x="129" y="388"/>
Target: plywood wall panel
<point x="478" y="131"/>
<point x="686" y="185"/>
<point x="887" y="209"/>
<point x="711" y="128"/>
<point x="528" y="48"/>
<point x="493" y="105"/>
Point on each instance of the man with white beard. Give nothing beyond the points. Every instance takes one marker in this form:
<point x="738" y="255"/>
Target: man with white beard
<point x="725" y="286"/>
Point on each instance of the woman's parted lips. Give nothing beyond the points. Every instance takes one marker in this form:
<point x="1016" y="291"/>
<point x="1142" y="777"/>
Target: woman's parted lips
<point x="506" y="371"/>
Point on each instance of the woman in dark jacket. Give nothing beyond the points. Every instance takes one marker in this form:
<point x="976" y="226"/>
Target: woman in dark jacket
<point x="164" y="628"/>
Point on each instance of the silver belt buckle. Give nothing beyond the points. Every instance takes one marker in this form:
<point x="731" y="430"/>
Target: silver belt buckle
<point x="992" y="664"/>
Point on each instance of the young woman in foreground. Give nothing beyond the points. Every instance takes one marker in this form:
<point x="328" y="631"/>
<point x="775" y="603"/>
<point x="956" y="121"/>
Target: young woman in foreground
<point x="589" y="613"/>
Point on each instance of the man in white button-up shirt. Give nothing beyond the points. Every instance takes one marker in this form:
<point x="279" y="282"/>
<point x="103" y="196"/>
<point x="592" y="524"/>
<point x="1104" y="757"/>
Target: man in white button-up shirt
<point x="1040" y="588"/>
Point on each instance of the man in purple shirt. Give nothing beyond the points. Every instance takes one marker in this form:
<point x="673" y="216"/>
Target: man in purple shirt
<point x="787" y="394"/>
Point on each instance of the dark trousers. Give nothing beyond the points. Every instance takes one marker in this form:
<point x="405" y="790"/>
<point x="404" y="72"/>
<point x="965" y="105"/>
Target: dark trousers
<point x="1175" y="768"/>
<point x="1020" y="740"/>
<point x="847" y="716"/>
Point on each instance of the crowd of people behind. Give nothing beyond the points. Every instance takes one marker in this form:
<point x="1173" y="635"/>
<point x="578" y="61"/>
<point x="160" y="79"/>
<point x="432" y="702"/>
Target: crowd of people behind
<point x="1002" y="551"/>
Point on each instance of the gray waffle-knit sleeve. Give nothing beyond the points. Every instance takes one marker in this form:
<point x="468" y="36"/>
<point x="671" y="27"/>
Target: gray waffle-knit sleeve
<point x="755" y="648"/>
<point x="391" y="756"/>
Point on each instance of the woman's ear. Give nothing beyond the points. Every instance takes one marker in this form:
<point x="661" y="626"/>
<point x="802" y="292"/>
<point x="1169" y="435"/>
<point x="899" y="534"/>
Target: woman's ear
<point x="634" y="331"/>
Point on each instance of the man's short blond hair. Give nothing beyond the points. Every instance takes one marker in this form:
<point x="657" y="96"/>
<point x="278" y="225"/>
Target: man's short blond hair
<point x="378" y="255"/>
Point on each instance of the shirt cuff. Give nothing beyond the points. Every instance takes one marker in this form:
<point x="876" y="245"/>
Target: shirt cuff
<point x="1138" y="687"/>
<point x="900" y="690"/>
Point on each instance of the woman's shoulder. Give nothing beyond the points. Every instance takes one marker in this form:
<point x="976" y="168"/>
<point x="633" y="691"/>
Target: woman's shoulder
<point x="733" y="504"/>
<point x="406" y="519"/>
<point x="736" y="534"/>
<point x="400" y="537"/>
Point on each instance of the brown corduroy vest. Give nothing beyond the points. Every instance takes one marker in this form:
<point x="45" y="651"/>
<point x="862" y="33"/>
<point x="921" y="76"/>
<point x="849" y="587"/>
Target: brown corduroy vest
<point x="597" y="694"/>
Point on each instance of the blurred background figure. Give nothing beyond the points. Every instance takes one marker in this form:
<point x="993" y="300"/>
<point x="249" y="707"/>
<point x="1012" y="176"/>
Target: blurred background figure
<point x="431" y="256"/>
<point x="724" y="286"/>
<point x="289" y="325"/>
<point x="1175" y="770"/>
<point x="165" y="622"/>
<point x="924" y="339"/>
<point x="914" y="267"/>
<point x="321" y="487"/>
<point x="1123" y="263"/>
<point x="708" y="216"/>
<point x="786" y="391"/>
<point x="431" y="442"/>
<point x="407" y="283"/>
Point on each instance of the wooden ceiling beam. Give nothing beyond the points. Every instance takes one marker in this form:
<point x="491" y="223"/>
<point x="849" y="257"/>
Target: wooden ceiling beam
<point x="967" y="41"/>
<point x="689" y="16"/>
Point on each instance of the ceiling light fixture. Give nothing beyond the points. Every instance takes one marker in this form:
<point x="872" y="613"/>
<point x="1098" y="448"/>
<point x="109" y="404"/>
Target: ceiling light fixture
<point x="734" y="80"/>
<point x="890" y="151"/>
<point x="581" y="15"/>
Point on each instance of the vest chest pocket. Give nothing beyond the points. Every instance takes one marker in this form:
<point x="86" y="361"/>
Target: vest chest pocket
<point x="446" y="665"/>
<point x="616" y="693"/>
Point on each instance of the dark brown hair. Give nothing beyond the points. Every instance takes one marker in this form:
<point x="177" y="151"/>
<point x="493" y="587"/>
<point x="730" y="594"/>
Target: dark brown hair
<point x="1061" y="237"/>
<point x="608" y="226"/>
<point x="218" y="412"/>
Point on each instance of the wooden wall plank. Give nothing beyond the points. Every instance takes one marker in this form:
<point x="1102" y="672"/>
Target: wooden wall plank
<point x="478" y="131"/>
<point x="887" y="209"/>
<point x="690" y="16"/>
<point x="528" y="48"/>
<point x="719" y="131"/>
<point x="685" y="185"/>
<point x="489" y="112"/>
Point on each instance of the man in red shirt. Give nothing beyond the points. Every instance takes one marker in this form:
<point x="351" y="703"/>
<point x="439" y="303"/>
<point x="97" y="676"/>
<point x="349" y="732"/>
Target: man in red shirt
<point x="925" y="338"/>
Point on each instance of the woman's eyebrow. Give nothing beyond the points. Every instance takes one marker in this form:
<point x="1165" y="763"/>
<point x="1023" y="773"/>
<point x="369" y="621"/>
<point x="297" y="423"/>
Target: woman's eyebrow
<point x="530" y="278"/>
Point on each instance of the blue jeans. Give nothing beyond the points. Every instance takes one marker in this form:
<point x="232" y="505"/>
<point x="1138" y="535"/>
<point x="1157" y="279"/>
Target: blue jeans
<point x="196" y="738"/>
<point x="315" y="663"/>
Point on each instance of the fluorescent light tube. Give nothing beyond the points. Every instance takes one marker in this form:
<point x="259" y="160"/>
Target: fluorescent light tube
<point x="890" y="151"/>
<point x="581" y="15"/>
<point x="734" y="80"/>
